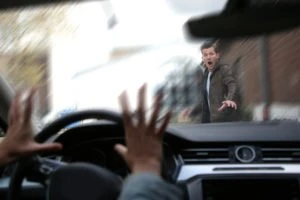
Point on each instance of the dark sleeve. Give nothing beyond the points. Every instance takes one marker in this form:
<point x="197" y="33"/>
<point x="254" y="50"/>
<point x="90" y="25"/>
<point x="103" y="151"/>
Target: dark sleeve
<point x="197" y="107"/>
<point x="230" y="82"/>
<point x="149" y="187"/>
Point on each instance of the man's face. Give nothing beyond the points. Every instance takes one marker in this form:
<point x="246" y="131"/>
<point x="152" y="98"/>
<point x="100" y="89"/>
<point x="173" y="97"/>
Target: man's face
<point x="210" y="57"/>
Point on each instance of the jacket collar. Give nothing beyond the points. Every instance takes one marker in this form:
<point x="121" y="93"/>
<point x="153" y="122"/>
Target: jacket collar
<point x="218" y="65"/>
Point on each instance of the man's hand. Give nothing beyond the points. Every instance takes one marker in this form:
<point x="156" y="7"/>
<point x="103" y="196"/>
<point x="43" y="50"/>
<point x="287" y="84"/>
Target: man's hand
<point x="144" y="140"/>
<point x="19" y="139"/>
<point x="228" y="104"/>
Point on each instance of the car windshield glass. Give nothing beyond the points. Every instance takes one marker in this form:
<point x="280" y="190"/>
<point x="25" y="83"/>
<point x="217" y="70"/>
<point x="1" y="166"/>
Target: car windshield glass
<point x="83" y="55"/>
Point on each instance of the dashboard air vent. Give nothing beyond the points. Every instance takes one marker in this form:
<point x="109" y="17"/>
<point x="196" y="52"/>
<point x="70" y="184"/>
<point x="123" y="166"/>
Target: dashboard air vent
<point x="204" y="155"/>
<point x="280" y="155"/>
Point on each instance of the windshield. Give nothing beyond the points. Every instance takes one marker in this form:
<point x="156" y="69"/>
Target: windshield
<point x="83" y="55"/>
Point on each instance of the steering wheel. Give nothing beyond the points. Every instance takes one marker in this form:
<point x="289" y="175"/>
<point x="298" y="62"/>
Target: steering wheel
<point x="86" y="178"/>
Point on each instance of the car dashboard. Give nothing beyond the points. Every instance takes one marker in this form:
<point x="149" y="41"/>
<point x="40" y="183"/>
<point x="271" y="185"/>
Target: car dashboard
<point x="205" y="159"/>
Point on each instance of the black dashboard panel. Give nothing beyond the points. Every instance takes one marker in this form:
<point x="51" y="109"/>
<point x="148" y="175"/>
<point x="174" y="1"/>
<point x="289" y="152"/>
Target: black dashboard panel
<point x="185" y="142"/>
<point x="274" y="131"/>
<point x="189" y="149"/>
<point x="256" y="186"/>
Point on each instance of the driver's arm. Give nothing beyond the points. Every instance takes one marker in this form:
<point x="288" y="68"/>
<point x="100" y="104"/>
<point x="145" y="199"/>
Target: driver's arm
<point x="19" y="140"/>
<point x="148" y="186"/>
<point x="144" y="153"/>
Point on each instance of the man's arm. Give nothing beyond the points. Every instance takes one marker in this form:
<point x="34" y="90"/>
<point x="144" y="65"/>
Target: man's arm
<point x="230" y="82"/>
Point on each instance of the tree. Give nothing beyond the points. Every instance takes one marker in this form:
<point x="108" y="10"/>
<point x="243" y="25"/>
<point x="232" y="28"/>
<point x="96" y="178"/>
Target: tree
<point x="25" y="39"/>
<point x="28" y="29"/>
<point x="24" y="42"/>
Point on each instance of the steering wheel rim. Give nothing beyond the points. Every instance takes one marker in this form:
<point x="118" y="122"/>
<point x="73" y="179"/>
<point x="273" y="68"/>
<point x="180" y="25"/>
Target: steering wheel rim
<point x="18" y="173"/>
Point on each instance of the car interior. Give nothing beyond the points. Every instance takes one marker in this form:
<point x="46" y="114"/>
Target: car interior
<point x="215" y="161"/>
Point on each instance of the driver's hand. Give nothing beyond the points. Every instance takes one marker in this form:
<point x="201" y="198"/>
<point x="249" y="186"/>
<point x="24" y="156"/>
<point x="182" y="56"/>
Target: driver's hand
<point x="19" y="139"/>
<point x="144" y="140"/>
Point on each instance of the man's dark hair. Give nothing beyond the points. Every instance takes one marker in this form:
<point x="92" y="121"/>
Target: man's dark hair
<point x="209" y="44"/>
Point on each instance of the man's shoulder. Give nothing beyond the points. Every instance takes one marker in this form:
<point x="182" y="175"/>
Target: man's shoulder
<point x="224" y="67"/>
